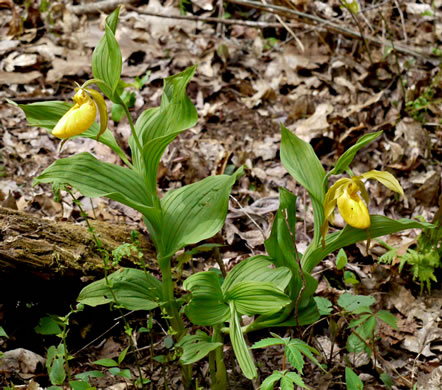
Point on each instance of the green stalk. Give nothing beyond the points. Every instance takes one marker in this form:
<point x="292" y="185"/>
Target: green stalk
<point x="212" y="369"/>
<point x="170" y="306"/>
<point x="169" y="299"/>
<point x="131" y="124"/>
<point x="221" y="373"/>
<point x="154" y="195"/>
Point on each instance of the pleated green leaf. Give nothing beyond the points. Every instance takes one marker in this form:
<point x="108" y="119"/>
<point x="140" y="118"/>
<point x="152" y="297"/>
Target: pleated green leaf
<point x="257" y="298"/>
<point x="207" y="306"/>
<point x="157" y="127"/>
<point x="47" y="114"/>
<point x="44" y="114"/>
<point x="239" y="345"/>
<point x="380" y="226"/>
<point x="195" y="212"/>
<point x="197" y="346"/>
<point x="133" y="288"/>
<point x="300" y="160"/>
<point x="306" y="316"/>
<point x="94" y="178"/>
<point x="106" y="58"/>
<point x="280" y="244"/>
<point x="257" y="269"/>
<point x="347" y="157"/>
<point x="153" y="151"/>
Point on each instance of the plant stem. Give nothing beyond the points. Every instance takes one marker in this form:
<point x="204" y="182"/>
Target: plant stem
<point x="131" y="124"/>
<point x="170" y="307"/>
<point x="298" y="261"/>
<point x="219" y="381"/>
<point x="65" y="348"/>
<point x="212" y="369"/>
<point x="168" y="296"/>
<point x="154" y="195"/>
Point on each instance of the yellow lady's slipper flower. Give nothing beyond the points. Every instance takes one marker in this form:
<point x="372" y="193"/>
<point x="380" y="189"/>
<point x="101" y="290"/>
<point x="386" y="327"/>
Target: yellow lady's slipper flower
<point x="345" y="194"/>
<point x="81" y="115"/>
<point x="79" y="118"/>
<point x="102" y="109"/>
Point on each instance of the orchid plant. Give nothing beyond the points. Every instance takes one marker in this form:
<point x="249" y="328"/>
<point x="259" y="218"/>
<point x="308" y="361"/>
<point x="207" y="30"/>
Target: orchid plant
<point x="276" y="289"/>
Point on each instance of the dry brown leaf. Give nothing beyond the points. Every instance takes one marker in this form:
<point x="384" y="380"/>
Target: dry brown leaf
<point x="20" y="360"/>
<point x="206" y="5"/>
<point x="429" y="190"/>
<point x="8" y="78"/>
<point x="17" y="60"/>
<point x="7" y="45"/>
<point x="432" y="381"/>
<point x="74" y="65"/>
<point x="359" y="107"/>
<point x="315" y="125"/>
<point x="263" y="91"/>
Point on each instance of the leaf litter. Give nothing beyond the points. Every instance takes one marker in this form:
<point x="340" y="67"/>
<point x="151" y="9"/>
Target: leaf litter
<point x="249" y="81"/>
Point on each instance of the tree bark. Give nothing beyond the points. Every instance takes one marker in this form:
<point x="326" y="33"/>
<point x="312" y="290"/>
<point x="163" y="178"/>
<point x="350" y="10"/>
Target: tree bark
<point x="46" y="248"/>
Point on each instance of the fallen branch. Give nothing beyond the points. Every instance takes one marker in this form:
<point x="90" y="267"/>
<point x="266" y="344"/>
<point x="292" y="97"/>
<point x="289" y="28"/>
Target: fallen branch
<point x="193" y="18"/>
<point x="97" y="7"/>
<point x="316" y="20"/>
<point x="46" y="248"/>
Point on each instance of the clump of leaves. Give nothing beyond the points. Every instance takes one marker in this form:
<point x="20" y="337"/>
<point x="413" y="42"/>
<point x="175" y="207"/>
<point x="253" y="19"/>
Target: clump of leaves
<point x="418" y="107"/>
<point x="364" y="323"/>
<point x="294" y="352"/>
<point x="424" y="260"/>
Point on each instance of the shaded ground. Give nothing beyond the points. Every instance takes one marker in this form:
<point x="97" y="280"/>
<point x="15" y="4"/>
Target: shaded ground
<point x="322" y="85"/>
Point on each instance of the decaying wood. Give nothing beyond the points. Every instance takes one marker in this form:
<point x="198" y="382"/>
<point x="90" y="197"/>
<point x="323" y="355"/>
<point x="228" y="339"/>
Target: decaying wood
<point x="47" y="248"/>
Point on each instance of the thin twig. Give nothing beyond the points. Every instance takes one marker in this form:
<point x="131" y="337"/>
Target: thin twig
<point x="96" y="338"/>
<point x="220" y="262"/>
<point x="193" y="18"/>
<point x="97" y="7"/>
<point x="298" y="41"/>
<point x="396" y="59"/>
<point x="220" y="26"/>
<point x="248" y="215"/>
<point x="313" y="19"/>
<point x="361" y="32"/>
<point x="401" y="15"/>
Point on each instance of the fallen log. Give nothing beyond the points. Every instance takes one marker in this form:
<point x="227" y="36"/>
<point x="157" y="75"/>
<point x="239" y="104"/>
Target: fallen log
<point x="47" y="248"/>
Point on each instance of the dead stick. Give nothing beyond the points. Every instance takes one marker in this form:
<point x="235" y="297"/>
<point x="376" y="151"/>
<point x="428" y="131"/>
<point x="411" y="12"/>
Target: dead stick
<point x="313" y="19"/>
<point x="194" y="18"/>
<point x="97" y="7"/>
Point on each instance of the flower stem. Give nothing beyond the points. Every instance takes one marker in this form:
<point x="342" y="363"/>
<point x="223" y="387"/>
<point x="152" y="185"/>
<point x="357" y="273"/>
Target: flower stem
<point x="176" y="322"/>
<point x="221" y="373"/>
<point x="131" y="124"/>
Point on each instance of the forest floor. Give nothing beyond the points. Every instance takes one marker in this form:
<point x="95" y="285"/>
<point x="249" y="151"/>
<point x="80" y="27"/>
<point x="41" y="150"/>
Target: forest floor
<point x="323" y="83"/>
